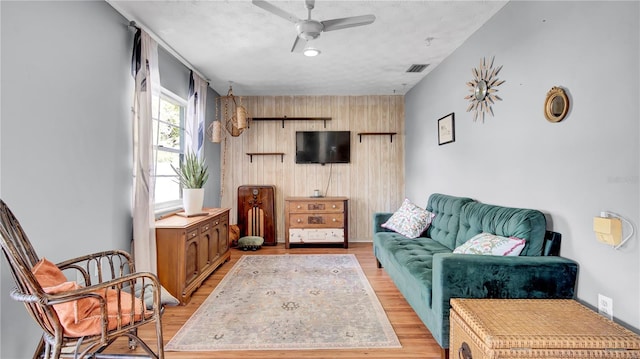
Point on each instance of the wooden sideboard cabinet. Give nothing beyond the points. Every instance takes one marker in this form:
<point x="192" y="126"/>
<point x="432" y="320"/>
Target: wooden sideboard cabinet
<point x="310" y="220"/>
<point x="190" y="249"/>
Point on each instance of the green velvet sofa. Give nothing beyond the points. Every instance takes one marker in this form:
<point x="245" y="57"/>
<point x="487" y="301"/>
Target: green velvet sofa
<point x="429" y="274"/>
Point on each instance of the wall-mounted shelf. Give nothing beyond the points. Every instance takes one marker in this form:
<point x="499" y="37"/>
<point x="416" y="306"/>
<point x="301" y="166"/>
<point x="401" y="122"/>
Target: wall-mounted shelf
<point x="251" y="154"/>
<point x="285" y="118"/>
<point x="390" y="134"/>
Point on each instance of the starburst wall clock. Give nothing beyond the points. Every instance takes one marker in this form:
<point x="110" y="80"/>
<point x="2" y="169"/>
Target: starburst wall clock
<point x="483" y="89"/>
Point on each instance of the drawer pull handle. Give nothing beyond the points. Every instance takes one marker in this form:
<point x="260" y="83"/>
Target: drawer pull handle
<point x="299" y="220"/>
<point x="299" y="206"/>
<point x="464" y="352"/>
<point x="217" y="223"/>
<point x="334" y="206"/>
<point x="335" y="220"/>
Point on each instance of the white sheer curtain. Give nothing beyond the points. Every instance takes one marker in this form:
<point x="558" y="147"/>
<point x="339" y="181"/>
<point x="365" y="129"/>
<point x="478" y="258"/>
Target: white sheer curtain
<point x="196" y="108"/>
<point x="145" y="103"/>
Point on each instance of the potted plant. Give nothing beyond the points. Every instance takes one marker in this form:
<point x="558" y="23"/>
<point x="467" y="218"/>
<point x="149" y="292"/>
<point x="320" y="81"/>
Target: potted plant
<point x="192" y="176"/>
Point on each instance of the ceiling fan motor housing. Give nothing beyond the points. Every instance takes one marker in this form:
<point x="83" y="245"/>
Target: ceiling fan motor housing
<point x="309" y="29"/>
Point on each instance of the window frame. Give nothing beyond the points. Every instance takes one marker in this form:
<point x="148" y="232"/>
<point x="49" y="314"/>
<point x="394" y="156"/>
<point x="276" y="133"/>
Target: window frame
<point x="169" y="96"/>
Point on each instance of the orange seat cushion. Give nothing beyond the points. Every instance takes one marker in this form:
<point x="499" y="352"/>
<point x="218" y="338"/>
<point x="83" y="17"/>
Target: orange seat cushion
<point x="83" y="316"/>
<point x="48" y="274"/>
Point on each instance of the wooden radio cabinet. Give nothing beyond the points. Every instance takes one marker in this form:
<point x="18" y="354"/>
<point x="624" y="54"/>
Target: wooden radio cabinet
<point x="311" y="220"/>
<point x="190" y="249"/>
<point x="257" y="212"/>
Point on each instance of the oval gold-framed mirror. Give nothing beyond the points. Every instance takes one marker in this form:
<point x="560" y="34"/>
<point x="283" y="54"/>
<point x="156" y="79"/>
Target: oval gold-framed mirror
<point x="556" y="105"/>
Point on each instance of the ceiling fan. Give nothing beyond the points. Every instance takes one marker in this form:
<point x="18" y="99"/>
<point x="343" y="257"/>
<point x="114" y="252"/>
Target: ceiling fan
<point x="310" y="29"/>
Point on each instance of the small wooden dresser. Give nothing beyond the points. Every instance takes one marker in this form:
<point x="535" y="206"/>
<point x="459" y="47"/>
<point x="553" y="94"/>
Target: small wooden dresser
<point x="190" y="249"/>
<point x="311" y="220"/>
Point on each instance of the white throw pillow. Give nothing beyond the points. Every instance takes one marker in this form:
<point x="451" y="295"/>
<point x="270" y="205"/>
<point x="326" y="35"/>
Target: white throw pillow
<point x="492" y="245"/>
<point x="409" y="220"/>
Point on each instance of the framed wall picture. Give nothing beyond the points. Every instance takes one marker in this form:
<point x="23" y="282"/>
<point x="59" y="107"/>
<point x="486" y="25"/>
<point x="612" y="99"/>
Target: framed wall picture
<point x="446" y="129"/>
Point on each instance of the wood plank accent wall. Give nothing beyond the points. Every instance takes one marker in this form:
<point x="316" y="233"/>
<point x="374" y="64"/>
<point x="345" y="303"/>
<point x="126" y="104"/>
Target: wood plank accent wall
<point x="373" y="181"/>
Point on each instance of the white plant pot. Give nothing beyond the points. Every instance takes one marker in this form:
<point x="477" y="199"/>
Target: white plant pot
<point x="192" y="200"/>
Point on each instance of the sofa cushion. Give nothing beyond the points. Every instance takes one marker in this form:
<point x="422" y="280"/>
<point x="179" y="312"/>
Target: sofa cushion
<point x="445" y="224"/>
<point x="490" y="244"/>
<point x="414" y="258"/>
<point x="409" y="220"/>
<point x="527" y="224"/>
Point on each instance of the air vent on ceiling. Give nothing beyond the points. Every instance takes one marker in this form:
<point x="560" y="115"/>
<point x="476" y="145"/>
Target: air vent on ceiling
<point x="417" y="67"/>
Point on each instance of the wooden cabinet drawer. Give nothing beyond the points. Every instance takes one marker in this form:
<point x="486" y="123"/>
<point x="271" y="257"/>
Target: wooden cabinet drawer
<point x="316" y="235"/>
<point x="312" y="206"/>
<point x="221" y="219"/>
<point x="205" y="227"/>
<point x="316" y="220"/>
<point x="192" y="233"/>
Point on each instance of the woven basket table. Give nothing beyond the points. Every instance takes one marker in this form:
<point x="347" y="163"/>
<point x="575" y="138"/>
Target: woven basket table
<point x="535" y="328"/>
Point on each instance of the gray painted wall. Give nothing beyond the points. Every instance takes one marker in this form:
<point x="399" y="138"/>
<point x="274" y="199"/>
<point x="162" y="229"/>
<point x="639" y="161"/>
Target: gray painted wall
<point x="212" y="155"/>
<point x="570" y="170"/>
<point x="66" y="137"/>
<point x="65" y="145"/>
<point x="174" y="76"/>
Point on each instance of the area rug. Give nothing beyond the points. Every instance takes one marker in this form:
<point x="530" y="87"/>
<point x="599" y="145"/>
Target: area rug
<point x="279" y="302"/>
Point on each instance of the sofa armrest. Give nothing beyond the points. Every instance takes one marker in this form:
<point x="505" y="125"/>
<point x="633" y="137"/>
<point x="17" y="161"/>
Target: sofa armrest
<point x="378" y="219"/>
<point x="477" y="276"/>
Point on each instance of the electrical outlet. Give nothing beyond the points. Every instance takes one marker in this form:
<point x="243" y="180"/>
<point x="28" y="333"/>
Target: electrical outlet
<point x="605" y="306"/>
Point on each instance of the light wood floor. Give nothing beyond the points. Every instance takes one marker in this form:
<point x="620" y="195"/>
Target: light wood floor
<point x="416" y="340"/>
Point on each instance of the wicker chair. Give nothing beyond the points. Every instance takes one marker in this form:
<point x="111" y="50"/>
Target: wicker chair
<point x="99" y="274"/>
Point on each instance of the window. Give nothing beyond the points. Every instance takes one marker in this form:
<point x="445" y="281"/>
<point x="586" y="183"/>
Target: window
<point x="168" y="144"/>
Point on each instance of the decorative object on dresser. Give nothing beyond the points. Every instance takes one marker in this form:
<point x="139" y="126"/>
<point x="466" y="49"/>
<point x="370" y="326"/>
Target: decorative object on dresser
<point x="192" y="175"/>
<point x="257" y="212"/>
<point x="316" y="221"/>
<point x="190" y="249"/>
<point x="536" y="328"/>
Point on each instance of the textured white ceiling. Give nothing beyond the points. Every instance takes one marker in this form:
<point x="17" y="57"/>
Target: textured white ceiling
<point x="235" y="41"/>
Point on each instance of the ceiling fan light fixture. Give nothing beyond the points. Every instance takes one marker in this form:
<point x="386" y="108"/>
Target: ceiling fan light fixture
<point x="311" y="51"/>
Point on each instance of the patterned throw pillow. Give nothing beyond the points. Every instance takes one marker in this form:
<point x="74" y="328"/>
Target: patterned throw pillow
<point x="409" y="220"/>
<point x="492" y="245"/>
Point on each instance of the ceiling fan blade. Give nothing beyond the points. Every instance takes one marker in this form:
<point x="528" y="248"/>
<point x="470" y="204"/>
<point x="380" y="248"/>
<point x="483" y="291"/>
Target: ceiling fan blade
<point x="275" y="10"/>
<point x="346" y="22"/>
<point x="298" y="44"/>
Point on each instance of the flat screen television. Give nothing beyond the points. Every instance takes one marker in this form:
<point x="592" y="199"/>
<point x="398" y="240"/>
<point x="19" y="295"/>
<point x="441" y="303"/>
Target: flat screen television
<point x="323" y="147"/>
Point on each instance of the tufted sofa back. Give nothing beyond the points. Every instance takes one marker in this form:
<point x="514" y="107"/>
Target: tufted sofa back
<point x="445" y="226"/>
<point x="528" y="224"/>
